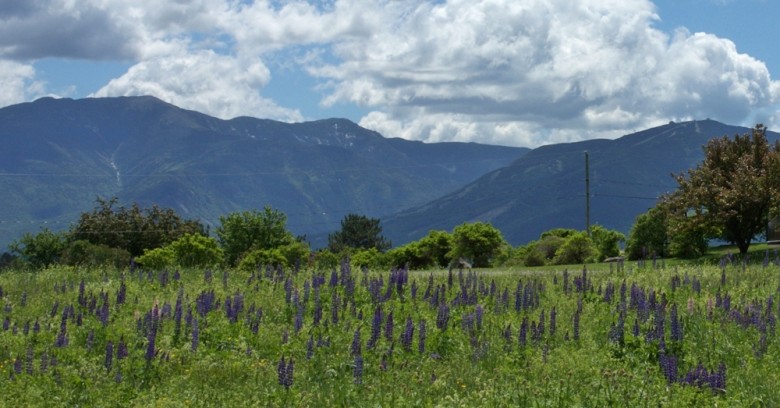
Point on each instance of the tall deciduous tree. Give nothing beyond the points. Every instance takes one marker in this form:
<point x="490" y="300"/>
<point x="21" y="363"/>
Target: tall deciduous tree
<point x="477" y="241"/>
<point x="732" y="193"/>
<point x="359" y="232"/>
<point x="242" y="232"/>
<point x="133" y="229"/>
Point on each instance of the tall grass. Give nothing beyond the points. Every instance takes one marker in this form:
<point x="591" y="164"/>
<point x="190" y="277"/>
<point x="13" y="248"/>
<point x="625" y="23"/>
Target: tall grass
<point x="491" y="337"/>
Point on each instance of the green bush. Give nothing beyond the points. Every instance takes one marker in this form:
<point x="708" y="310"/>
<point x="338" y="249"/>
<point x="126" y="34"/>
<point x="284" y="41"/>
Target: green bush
<point x="577" y="249"/>
<point x="85" y="253"/>
<point x="193" y="250"/>
<point x="157" y="258"/>
<point x="262" y="257"/>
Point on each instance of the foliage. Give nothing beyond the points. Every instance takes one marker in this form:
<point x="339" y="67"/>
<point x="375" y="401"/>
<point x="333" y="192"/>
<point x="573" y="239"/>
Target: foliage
<point x="84" y="253"/>
<point x="295" y="253"/>
<point x="431" y="251"/>
<point x="39" y="250"/>
<point x="477" y="241"/>
<point x="689" y="243"/>
<point x="359" y="232"/>
<point x="577" y="249"/>
<point x="648" y="235"/>
<point x="157" y="258"/>
<point x="80" y="337"/>
<point x="732" y="193"/>
<point x="133" y="229"/>
<point x="606" y="242"/>
<point x="324" y="260"/>
<point x="258" y="258"/>
<point x="193" y="250"/>
<point x="369" y="258"/>
<point x="242" y="232"/>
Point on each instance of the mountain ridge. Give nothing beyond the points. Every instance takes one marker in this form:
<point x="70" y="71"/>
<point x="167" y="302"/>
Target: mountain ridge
<point x="545" y="188"/>
<point x="60" y="154"/>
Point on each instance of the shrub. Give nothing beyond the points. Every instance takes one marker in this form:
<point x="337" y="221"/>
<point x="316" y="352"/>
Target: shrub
<point x="577" y="249"/>
<point x="262" y="257"/>
<point x="157" y="258"/>
<point x="85" y="253"/>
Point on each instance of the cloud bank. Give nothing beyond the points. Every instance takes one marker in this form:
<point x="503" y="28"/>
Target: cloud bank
<point x="492" y="71"/>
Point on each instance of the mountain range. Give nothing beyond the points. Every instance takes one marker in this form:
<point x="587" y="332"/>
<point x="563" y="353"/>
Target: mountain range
<point x="59" y="155"/>
<point x="546" y="188"/>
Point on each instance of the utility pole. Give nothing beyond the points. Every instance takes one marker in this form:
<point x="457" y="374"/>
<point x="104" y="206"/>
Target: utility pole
<point x="587" y="194"/>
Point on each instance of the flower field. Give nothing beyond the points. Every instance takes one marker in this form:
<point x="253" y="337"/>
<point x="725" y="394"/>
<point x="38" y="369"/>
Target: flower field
<point x="626" y="335"/>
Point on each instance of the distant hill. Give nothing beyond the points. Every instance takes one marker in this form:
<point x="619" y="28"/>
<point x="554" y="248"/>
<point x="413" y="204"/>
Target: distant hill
<point x="545" y="188"/>
<point x="58" y="155"/>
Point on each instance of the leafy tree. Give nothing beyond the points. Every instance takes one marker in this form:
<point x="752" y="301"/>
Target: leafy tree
<point x="477" y="241"/>
<point x="194" y="250"/>
<point x="434" y="247"/>
<point x="648" y="235"/>
<point x="39" y="250"/>
<point x="84" y="253"/>
<point x="133" y="229"/>
<point x="157" y="258"/>
<point x="577" y="249"/>
<point x="606" y="242"/>
<point x="260" y="257"/>
<point x="732" y="193"/>
<point x="242" y="232"/>
<point x="358" y="232"/>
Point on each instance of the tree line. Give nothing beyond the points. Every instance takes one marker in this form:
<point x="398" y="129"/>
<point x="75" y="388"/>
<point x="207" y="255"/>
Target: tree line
<point x="731" y="195"/>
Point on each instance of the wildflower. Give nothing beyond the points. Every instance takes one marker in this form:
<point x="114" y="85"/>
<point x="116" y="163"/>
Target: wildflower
<point x="421" y="336"/>
<point x="109" y="355"/>
<point x="358" y="370"/>
<point x="408" y="334"/>
<point x="389" y="327"/>
<point x="355" y="347"/>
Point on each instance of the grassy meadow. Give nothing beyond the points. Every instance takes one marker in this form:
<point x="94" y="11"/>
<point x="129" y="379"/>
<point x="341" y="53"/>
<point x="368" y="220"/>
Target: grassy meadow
<point x="611" y="335"/>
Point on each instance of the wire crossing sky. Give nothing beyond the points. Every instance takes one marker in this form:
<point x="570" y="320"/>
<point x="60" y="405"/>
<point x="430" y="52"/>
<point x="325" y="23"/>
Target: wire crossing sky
<point x="509" y="72"/>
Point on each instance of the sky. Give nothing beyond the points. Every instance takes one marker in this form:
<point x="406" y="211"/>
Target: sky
<point x="508" y="72"/>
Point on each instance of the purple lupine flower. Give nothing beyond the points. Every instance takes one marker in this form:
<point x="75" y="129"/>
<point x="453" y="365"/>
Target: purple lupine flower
<point x="109" y="355"/>
<point x="408" y="334"/>
<point x="298" y="323"/>
<point x="389" y="324"/>
<point x="36" y="327"/>
<point x="104" y="314"/>
<point x="522" y="337"/>
<point x="44" y="362"/>
<point x="413" y="289"/>
<point x="29" y="360"/>
<point x="285" y="336"/>
<point x="285" y="371"/>
<point x="576" y="324"/>
<point x="540" y="326"/>
<point x="668" y="365"/>
<point x="18" y="366"/>
<point x="376" y="328"/>
<point x="442" y="317"/>
<point x="121" y="349"/>
<point x="121" y="293"/>
<point x="479" y="315"/>
<point x="467" y="322"/>
<point x="310" y="347"/>
<point x="334" y="308"/>
<point x="355" y="347"/>
<point x="421" y="337"/>
<point x="358" y="370"/>
<point x="150" y="345"/>
<point x="676" y="325"/>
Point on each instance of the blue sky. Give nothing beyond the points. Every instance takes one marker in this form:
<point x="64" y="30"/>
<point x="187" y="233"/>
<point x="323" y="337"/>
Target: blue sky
<point x="522" y="73"/>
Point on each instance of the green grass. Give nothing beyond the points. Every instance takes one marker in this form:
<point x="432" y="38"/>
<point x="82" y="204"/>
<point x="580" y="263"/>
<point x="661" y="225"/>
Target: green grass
<point x="233" y="366"/>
